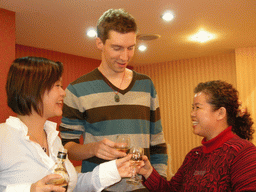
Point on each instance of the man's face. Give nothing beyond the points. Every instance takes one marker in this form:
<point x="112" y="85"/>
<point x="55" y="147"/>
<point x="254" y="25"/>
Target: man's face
<point x="118" y="50"/>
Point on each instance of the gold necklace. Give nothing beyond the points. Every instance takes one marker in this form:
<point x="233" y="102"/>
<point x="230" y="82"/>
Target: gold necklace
<point x="116" y="97"/>
<point x="44" y="148"/>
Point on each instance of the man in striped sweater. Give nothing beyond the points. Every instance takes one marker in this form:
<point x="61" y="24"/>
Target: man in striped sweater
<point x="113" y="100"/>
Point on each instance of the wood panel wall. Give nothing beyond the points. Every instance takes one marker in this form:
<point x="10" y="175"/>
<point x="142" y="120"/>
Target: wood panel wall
<point x="175" y="81"/>
<point x="246" y="79"/>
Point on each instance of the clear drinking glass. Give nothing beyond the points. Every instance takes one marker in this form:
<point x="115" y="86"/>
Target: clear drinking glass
<point x="137" y="153"/>
<point x="123" y="143"/>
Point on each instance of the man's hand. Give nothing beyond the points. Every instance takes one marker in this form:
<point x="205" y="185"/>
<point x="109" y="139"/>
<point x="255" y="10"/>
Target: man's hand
<point x="105" y="149"/>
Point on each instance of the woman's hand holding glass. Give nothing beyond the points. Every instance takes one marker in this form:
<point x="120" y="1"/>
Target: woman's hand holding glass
<point x="146" y="168"/>
<point x="124" y="166"/>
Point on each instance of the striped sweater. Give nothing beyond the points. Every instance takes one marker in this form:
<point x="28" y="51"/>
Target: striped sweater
<point x="91" y="111"/>
<point x="225" y="163"/>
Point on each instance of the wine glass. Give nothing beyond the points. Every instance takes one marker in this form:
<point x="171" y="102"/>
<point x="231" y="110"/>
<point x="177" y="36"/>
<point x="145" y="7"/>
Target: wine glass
<point x="123" y="143"/>
<point x="137" y="153"/>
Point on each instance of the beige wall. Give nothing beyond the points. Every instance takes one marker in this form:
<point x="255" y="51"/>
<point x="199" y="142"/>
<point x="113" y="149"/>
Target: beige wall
<point x="175" y="81"/>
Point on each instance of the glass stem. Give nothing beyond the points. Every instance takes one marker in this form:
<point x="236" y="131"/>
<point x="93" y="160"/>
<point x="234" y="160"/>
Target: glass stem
<point x="133" y="177"/>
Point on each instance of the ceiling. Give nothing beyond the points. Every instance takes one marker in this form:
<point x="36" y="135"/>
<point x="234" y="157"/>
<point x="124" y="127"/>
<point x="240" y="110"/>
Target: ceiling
<point x="60" y="25"/>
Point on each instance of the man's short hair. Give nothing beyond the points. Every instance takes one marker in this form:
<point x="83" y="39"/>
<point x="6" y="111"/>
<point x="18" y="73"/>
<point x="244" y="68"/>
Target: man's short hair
<point x="117" y="20"/>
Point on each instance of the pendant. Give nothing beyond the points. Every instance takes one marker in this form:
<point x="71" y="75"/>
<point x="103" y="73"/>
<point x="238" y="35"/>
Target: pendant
<point x="117" y="98"/>
<point x="44" y="149"/>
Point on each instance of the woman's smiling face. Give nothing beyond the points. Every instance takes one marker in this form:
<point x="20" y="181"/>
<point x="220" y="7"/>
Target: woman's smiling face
<point x="203" y="117"/>
<point x="53" y="100"/>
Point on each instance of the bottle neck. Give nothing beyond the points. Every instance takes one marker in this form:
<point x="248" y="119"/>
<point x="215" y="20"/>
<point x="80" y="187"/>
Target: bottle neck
<point x="61" y="157"/>
<point x="60" y="160"/>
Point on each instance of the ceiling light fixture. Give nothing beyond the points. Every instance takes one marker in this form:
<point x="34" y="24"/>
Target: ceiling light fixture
<point x="167" y="16"/>
<point x="202" y="36"/>
<point x="148" y="37"/>
<point x="142" y="48"/>
<point x="91" y="33"/>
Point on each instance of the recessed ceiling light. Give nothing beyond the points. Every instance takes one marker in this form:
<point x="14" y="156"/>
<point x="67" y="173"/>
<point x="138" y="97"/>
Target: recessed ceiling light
<point x="202" y="36"/>
<point x="168" y="16"/>
<point x="142" y="48"/>
<point x="91" y="33"/>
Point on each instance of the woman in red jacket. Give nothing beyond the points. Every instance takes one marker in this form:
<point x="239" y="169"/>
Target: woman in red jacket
<point x="226" y="161"/>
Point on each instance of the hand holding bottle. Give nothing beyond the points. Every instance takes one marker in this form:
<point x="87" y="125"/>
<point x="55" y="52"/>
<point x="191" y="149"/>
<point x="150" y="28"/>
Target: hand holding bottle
<point x="60" y="169"/>
<point x="43" y="186"/>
